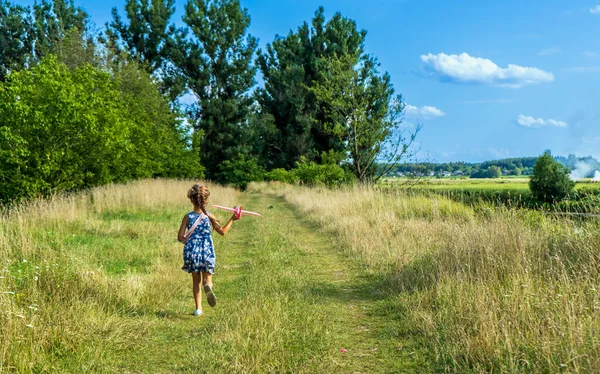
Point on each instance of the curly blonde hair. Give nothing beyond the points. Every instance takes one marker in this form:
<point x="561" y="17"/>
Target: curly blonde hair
<point x="198" y="195"/>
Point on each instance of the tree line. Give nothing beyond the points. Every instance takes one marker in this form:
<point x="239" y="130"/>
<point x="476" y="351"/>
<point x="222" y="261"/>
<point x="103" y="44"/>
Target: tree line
<point x="487" y="169"/>
<point x="515" y="166"/>
<point x="81" y="108"/>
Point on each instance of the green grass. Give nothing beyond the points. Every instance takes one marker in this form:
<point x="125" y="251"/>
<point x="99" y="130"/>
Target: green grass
<point x="111" y="298"/>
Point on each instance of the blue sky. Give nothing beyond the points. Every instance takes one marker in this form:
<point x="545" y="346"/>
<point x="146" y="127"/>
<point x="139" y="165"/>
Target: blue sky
<point x="487" y="79"/>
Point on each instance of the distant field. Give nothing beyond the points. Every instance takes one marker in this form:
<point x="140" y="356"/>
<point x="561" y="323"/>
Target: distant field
<point x="511" y="192"/>
<point x="520" y="185"/>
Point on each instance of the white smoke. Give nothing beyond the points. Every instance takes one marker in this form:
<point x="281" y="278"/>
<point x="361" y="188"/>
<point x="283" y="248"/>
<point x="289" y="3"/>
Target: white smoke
<point x="596" y="176"/>
<point x="582" y="170"/>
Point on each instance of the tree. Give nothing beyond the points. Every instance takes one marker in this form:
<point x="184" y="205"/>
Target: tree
<point x="55" y="26"/>
<point x="361" y="110"/>
<point x="53" y="21"/>
<point x="65" y="129"/>
<point x="216" y="60"/>
<point x="62" y="134"/>
<point x="148" y="39"/>
<point x="550" y="181"/>
<point x="16" y="38"/>
<point x="493" y="172"/>
<point x="290" y="66"/>
<point x="161" y="144"/>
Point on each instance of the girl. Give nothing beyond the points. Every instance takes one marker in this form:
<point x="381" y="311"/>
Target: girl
<point x="199" y="252"/>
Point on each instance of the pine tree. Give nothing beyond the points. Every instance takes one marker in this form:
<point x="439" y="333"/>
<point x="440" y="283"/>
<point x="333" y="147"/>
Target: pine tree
<point x="147" y="36"/>
<point x="216" y="59"/>
<point x="291" y="66"/>
<point x="16" y="38"/>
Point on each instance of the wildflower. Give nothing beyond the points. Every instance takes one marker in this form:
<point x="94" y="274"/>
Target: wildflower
<point x="35" y="278"/>
<point x="24" y="260"/>
<point x="343" y="350"/>
<point x="30" y="326"/>
<point x="20" y="316"/>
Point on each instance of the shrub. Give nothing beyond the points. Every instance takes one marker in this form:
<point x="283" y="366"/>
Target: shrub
<point x="311" y="173"/>
<point x="550" y="181"/>
<point x="240" y="171"/>
<point x="282" y="175"/>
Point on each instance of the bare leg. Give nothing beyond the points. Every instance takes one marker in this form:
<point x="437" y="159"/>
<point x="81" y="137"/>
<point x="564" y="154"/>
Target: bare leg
<point x="210" y="296"/>
<point x="196" y="280"/>
<point x="207" y="279"/>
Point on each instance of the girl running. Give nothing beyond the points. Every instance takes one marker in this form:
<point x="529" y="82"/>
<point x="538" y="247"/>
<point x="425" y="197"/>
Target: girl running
<point x="199" y="251"/>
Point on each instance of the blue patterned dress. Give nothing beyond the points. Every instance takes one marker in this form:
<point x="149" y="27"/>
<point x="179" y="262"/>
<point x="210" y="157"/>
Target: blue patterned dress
<point x="199" y="251"/>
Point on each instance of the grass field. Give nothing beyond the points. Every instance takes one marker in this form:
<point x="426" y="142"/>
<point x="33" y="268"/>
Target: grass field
<point x="517" y="184"/>
<point x="92" y="283"/>
<point x="501" y="192"/>
<point x="330" y="281"/>
<point x="489" y="289"/>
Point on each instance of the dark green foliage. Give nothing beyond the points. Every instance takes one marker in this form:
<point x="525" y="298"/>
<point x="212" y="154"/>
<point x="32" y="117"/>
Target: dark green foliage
<point x="281" y="175"/>
<point x="16" y="37"/>
<point x="147" y="37"/>
<point x="509" y="166"/>
<point x="240" y="171"/>
<point x="53" y="21"/>
<point x="290" y="67"/>
<point x="550" y="181"/>
<point x="313" y="174"/>
<point x="361" y="110"/>
<point x="491" y="172"/>
<point x="26" y="35"/>
<point x="216" y="59"/>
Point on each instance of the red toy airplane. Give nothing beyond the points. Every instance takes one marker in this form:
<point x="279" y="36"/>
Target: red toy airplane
<point x="238" y="211"/>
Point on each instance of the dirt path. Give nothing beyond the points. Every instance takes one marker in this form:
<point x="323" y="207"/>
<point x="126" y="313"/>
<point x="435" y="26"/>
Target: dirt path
<point x="288" y="301"/>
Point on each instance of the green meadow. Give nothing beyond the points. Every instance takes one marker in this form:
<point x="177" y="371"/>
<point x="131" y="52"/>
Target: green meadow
<point x="351" y="281"/>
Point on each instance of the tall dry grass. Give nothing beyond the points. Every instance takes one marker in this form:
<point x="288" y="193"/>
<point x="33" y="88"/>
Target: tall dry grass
<point x="58" y="293"/>
<point x="492" y="290"/>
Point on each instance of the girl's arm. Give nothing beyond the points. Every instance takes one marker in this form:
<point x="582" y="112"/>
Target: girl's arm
<point x="180" y="235"/>
<point x="224" y="229"/>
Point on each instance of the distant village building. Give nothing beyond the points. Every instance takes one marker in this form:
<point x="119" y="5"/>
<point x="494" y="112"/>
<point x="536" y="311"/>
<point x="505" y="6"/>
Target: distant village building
<point x="458" y="173"/>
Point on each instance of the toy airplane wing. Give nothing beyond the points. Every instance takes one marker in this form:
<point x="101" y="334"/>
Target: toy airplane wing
<point x="238" y="211"/>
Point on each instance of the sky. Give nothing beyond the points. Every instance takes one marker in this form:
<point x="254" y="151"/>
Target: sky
<point x="485" y="79"/>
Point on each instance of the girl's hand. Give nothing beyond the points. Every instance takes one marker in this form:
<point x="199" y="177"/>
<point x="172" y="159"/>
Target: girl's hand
<point x="234" y="217"/>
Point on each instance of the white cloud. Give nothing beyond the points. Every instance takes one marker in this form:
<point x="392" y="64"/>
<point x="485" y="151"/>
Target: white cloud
<point x="549" y="51"/>
<point x="595" y="10"/>
<point x="467" y="69"/>
<point x="527" y="121"/>
<point x="425" y="112"/>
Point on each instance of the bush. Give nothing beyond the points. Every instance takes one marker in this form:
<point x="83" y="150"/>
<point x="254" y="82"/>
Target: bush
<point x="313" y="174"/>
<point x="239" y="172"/>
<point x="282" y="175"/>
<point x="550" y="182"/>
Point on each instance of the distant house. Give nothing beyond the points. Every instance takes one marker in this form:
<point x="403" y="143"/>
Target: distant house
<point x="458" y="173"/>
<point x="506" y="172"/>
<point x="446" y="174"/>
